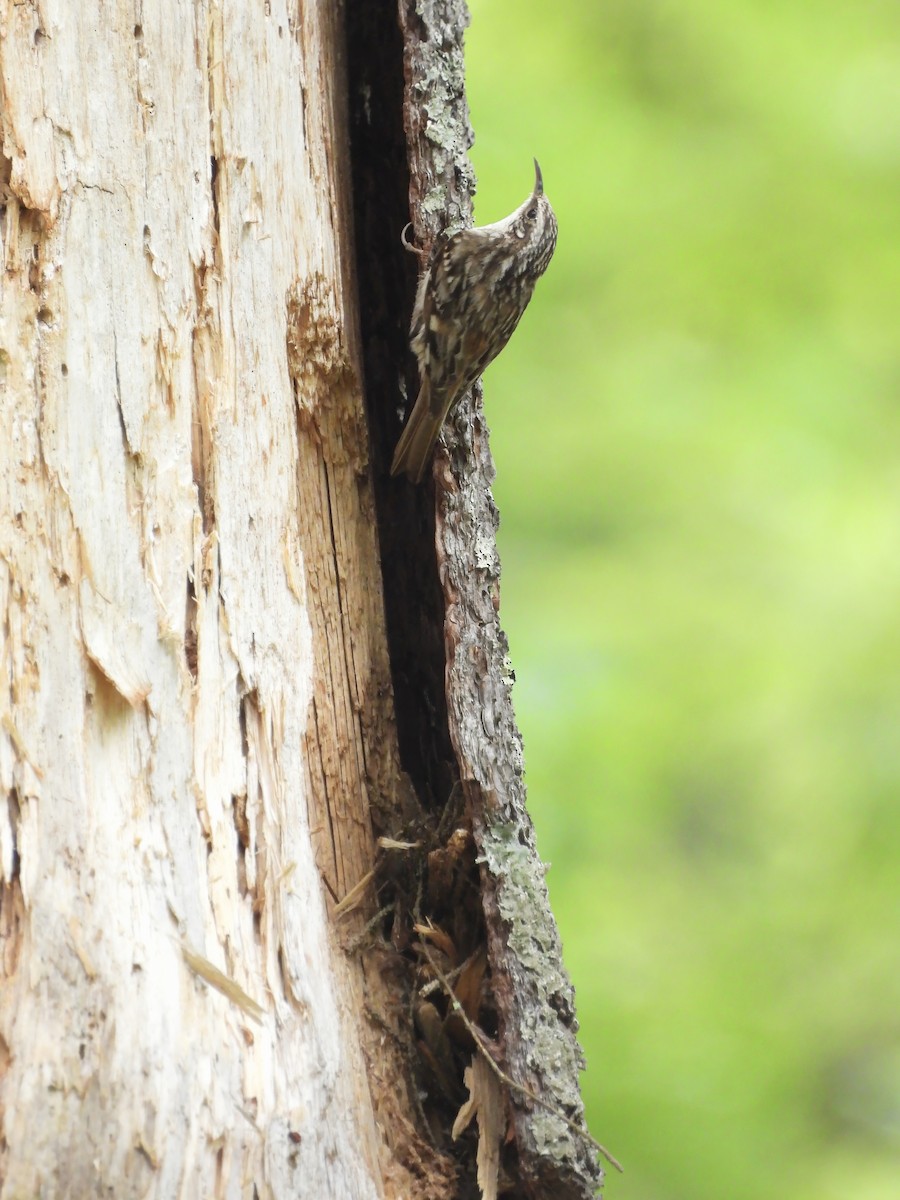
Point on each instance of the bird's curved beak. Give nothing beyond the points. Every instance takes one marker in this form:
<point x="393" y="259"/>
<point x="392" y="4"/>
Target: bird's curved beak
<point x="538" y="179"/>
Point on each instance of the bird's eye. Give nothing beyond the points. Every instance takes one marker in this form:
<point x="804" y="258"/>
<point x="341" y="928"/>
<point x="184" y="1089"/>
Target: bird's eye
<point x="532" y="212"/>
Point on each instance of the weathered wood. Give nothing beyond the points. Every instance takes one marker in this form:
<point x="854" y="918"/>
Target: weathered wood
<point x="196" y="705"/>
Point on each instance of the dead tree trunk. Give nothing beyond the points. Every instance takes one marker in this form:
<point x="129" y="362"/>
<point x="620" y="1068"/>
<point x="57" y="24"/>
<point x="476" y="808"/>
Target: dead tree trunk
<point x="210" y="597"/>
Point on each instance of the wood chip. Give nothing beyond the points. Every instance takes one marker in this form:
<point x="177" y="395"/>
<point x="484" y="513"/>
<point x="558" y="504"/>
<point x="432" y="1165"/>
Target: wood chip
<point x="486" y="1102"/>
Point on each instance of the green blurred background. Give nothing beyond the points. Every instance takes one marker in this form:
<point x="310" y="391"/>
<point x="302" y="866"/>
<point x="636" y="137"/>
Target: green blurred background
<point x="696" y="432"/>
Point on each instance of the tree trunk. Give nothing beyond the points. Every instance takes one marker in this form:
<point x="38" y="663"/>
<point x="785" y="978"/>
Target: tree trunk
<point x="198" y="743"/>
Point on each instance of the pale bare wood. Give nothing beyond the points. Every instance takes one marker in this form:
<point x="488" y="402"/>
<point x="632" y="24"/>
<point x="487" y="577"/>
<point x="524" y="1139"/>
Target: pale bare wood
<point x="196" y="706"/>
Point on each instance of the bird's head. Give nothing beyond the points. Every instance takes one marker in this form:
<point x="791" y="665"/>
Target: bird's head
<point x="533" y="225"/>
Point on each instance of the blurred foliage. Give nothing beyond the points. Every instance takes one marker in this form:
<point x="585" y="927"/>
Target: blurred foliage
<point x="697" y="433"/>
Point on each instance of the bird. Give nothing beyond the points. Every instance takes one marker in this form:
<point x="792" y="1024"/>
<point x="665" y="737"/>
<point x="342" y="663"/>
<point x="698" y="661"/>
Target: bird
<point x="470" y="297"/>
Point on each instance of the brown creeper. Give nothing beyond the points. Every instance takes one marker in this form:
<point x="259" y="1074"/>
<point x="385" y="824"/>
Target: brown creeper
<point x="470" y="298"/>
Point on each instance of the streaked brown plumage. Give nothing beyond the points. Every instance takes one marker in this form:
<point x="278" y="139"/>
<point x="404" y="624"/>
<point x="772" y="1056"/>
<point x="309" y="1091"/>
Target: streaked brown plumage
<point x="470" y="298"/>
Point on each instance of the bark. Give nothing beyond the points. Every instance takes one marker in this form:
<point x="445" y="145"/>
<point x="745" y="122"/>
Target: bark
<point x="462" y="748"/>
<point x="199" y="740"/>
<point x="533" y="995"/>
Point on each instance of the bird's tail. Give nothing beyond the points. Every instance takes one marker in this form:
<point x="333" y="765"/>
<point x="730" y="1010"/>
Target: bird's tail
<point x="416" y="442"/>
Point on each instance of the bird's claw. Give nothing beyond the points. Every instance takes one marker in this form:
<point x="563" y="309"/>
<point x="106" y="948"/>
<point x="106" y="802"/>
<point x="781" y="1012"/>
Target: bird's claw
<point x="407" y="244"/>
